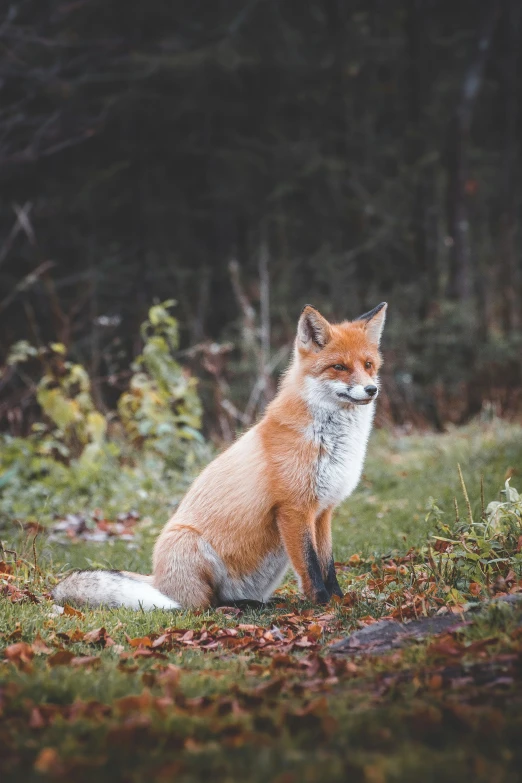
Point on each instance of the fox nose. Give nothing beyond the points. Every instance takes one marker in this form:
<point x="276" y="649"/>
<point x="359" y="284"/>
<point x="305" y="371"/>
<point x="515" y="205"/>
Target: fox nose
<point x="371" y="391"/>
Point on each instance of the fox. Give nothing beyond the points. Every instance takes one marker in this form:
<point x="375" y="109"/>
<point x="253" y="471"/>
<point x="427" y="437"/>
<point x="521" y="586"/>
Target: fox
<point x="266" y="502"/>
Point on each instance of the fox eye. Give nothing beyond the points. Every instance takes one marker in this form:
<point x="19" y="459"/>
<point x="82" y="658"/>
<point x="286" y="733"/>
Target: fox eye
<point x="339" y="367"/>
<point x="368" y="365"/>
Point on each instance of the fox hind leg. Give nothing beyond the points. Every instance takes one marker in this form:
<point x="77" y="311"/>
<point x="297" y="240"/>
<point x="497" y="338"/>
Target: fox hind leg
<point x="182" y="569"/>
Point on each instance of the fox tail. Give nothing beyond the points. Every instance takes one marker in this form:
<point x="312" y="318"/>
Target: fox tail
<point x="111" y="589"/>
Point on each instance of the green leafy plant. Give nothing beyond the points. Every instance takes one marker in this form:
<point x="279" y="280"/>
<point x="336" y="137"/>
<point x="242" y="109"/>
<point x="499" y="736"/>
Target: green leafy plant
<point x="480" y="552"/>
<point x="78" y="457"/>
<point x="161" y="410"/>
<point x="72" y="426"/>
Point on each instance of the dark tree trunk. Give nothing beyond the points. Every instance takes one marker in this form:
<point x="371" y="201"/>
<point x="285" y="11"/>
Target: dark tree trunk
<point x="459" y="278"/>
<point x="509" y="282"/>
<point x="424" y="259"/>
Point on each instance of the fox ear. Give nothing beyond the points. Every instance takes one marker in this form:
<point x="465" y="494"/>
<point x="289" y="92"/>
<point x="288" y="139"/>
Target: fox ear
<point x="374" y="322"/>
<point x="313" y="331"/>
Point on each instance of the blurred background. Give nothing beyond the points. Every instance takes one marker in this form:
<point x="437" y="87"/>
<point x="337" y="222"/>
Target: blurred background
<point x="244" y="158"/>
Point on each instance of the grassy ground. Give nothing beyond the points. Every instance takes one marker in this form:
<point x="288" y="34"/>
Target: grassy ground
<point x="118" y="695"/>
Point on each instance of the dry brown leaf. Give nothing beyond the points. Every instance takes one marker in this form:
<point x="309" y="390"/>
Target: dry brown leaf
<point x="60" y="658"/>
<point x="72" y="612"/>
<point x="98" y="636"/>
<point x="48" y="762"/>
<point x="140" y="641"/>
<point x="314" y="631"/>
<point x="20" y="654"/>
<point x="85" y="660"/>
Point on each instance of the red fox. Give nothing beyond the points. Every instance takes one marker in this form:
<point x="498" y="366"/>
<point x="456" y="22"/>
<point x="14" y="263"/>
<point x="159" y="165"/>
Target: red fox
<point x="266" y="501"/>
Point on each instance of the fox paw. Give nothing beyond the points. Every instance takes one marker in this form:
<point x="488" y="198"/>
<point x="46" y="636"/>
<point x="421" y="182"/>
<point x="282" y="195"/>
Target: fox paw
<point x="321" y="597"/>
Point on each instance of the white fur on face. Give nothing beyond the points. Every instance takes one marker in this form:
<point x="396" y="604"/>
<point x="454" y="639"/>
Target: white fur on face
<point x="325" y="392"/>
<point x="358" y="392"/>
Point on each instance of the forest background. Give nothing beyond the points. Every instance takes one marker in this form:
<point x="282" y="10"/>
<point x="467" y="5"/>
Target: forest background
<point x="245" y="158"/>
<point x="178" y="179"/>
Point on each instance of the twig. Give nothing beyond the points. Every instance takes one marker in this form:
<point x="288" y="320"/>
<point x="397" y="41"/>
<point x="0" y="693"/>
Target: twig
<point x="7" y="551"/>
<point x="281" y="354"/>
<point x="198" y="323"/>
<point x="264" y="287"/>
<point x="456" y="506"/>
<point x="21" y="224"/>
<point x="36" y="569"/>
<point x="234" y="412"/>
<point x="249" y="314"/>
<point x="465" y="492"/>
<point x="26" y="283"/>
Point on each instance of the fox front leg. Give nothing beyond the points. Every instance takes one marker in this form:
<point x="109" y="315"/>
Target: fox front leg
<point x="320" y="593"/>
<point x="331" y="583"/>
<point x="323" y="537"/>
<point x="298" y="535"/>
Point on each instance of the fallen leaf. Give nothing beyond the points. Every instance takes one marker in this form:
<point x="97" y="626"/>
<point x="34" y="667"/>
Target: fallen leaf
<point x="162" y="641"/>
<point x="129" y="704"/>
<point x="446" y="647"/>
<point x="60" y="658"/>
<point x="140" y="641"/>
<point x="314" y="631"/>
<point x="232" y="611"/>
<point x="20" y="654"/>
<point x="304" y="641"/>
<point x="48" y="762"/>
<point x="98" y="636"/>
<point x="85" y="660"/>
<point x="169" y="678"/>
<point x="39" y="646"/>
<point x="72" y="612"/>
<point x="481" y="644"/>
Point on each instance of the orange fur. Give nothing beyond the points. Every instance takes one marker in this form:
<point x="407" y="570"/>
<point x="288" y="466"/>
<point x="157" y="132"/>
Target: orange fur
<point x="268" y="499"/>
<point x="323" y="538"/>
<point x="259" y="494"/>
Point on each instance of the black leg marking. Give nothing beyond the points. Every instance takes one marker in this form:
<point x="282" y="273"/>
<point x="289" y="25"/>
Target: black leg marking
<point x="321" y="594"/>
<point x="331" y="583"/>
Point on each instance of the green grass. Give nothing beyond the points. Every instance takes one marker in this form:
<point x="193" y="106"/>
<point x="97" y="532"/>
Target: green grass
<point x="388" y="509"/>
<point x="284" y="715"/>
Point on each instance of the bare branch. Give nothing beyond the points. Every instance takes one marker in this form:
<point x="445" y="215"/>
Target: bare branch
<point x="21" y="223"/>
<point x="26" y="282"/>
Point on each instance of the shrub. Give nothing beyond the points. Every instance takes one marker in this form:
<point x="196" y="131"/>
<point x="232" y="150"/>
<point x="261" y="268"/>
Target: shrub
<point x="77" y="456"/>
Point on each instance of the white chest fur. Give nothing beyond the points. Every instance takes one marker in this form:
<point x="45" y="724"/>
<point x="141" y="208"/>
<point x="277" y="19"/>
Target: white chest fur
<point x="342" y="436"/>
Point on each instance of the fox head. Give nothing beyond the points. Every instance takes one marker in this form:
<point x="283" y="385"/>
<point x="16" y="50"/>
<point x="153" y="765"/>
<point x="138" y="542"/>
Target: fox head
<point x="339" y="363"/>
